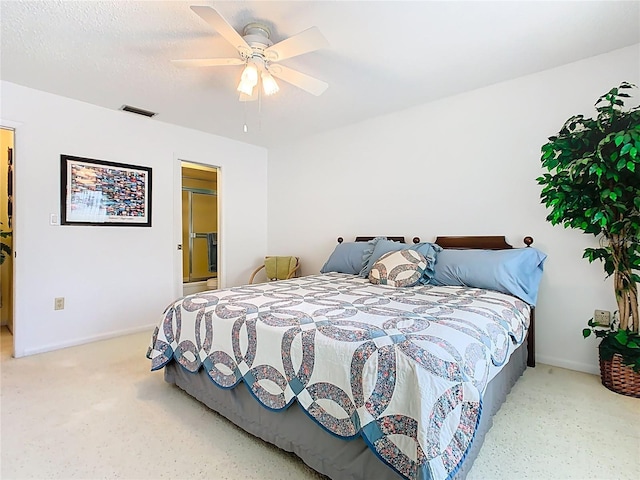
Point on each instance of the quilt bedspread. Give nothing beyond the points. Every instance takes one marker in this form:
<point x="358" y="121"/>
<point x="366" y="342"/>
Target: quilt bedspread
<point x="405" y="368"/>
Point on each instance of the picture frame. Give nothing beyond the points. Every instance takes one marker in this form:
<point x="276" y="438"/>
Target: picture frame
<point x="99" y="192"/>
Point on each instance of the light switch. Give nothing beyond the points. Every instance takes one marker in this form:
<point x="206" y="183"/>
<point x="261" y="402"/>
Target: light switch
<point x="53" y="219"/>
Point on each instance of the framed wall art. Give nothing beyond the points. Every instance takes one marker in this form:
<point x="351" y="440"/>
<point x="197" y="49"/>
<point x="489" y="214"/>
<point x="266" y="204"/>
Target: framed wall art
<point x="97" y="192"/>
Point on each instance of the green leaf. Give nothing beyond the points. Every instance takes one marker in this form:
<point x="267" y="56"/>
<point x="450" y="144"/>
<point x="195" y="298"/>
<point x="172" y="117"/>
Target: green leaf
<point x="586" y="332"/>
<point x="631" y="166"/>
<point x="633" y="152"/>
<point x="625" y="149"/>
<point x="622" y="337"/>
<point x="618" y="140"/>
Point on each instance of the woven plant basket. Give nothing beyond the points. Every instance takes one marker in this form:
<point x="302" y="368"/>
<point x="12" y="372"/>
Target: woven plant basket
<point x="619" y="378"/>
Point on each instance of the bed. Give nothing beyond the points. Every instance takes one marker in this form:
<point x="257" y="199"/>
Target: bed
<point x="360" y="379"/>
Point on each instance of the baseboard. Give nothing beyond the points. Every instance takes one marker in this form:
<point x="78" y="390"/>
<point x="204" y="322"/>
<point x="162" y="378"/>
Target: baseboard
<point x="569" y="365"/>
<point x="81" y="341"/>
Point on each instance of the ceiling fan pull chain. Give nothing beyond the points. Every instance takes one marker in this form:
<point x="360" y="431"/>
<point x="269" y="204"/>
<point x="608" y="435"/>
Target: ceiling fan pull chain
<point x="244" y="127"/>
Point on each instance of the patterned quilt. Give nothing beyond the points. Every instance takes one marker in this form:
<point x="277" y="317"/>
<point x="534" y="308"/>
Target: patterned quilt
<point x="405" y="368"/>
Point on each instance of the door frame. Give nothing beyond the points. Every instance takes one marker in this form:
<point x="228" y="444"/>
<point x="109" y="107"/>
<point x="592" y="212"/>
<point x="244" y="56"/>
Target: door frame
<point x="177" y="220"/>
<point x="15" y="237"/>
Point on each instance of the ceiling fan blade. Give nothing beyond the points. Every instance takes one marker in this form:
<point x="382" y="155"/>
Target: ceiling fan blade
<point x="299" y="79"/>
<point x="220" y="25"/>
<point x="304" y="42"/>
<point x="208" y="62"/>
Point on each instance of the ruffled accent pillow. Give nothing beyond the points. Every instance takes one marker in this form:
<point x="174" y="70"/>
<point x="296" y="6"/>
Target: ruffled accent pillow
<point x="402" y="268"/>
<point x="430" y="252"/>
<point x="383" y="246"/>
<point x="380" y="246"/>
<point x="366" y="255"/>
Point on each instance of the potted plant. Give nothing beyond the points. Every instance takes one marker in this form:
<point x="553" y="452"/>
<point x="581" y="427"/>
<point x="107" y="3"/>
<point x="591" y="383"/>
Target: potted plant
<point x="593" y="184"/>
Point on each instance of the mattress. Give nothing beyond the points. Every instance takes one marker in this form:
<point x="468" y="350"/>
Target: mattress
<point x="403" y="372"/>
<point x="293" y="431"/>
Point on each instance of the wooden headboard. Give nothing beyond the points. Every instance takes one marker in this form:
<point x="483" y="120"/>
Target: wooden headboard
<point x="395" y="239"/>
<point x="487" y="242"/>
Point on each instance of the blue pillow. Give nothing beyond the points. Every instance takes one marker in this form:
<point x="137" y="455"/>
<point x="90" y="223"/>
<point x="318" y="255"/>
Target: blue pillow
<point x="515" y="271"/>
<point x="430" y="252"/>
<point x="347" y="257"/>
<point x="381" y="247"/>
<point x="369" y="251"/>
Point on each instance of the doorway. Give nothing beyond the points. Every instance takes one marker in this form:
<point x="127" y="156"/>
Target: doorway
<point x="6" y="227"/>
<point x="200" y="237"/>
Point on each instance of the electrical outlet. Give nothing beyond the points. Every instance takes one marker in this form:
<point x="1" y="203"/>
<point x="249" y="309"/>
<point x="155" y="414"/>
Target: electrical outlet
<point x="58" y="303"/>
<point x="602" y="317"/>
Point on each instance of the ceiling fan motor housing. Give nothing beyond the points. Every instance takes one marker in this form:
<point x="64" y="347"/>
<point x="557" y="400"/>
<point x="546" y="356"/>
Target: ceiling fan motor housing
<point x="258" y="37"/>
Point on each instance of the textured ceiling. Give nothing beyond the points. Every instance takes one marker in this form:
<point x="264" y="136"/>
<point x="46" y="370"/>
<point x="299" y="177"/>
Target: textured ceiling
<point x="383" y="56"/>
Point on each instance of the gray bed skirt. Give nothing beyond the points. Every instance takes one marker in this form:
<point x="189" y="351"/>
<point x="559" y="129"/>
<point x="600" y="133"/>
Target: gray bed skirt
<point x="292" y="430"/>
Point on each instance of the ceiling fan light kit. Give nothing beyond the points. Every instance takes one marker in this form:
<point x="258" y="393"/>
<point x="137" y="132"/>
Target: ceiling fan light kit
<point x="249" y="79"/>
<point x="269" y="84"/>
<point x="259" y="54"/>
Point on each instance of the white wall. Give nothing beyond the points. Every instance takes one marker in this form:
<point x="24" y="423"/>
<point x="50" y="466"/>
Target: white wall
<point x="465" y="165"/>
<point x="115" y="279"/>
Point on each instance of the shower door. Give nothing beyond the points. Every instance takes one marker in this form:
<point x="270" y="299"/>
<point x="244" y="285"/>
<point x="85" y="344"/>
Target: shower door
<point x="199" y="234"/>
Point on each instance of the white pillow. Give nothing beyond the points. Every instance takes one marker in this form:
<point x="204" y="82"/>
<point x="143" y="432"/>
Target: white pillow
<point x="402" y="268"/>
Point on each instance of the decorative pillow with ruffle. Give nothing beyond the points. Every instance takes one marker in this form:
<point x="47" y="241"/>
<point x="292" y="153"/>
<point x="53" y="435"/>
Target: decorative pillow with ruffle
<point x="402" y="268"/>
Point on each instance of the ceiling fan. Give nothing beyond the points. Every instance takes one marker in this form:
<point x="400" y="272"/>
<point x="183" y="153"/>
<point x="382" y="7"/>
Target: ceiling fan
<point x="260" y="56"/>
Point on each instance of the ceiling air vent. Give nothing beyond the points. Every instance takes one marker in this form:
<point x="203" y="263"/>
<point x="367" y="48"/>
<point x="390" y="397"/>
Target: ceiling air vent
<point x="137" y="111"/>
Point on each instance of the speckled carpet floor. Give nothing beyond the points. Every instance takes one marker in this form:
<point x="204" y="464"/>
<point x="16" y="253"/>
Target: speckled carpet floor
<point x="96" y="412"/>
